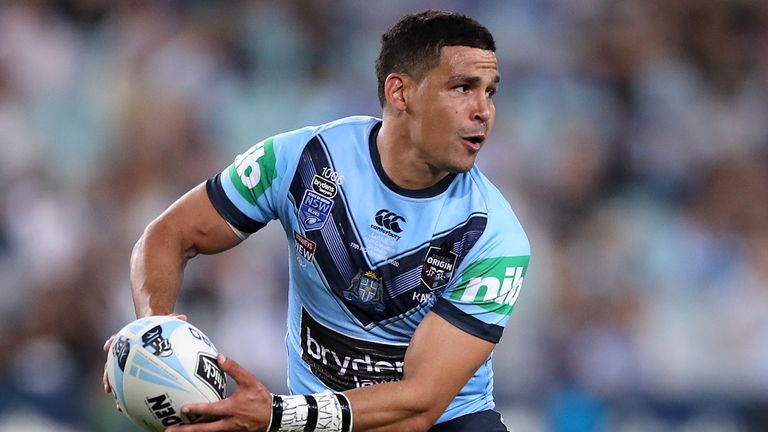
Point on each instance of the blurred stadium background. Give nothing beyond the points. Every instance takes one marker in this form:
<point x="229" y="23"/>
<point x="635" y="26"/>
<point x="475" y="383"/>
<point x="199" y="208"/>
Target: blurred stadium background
<point x="631" y="138"/>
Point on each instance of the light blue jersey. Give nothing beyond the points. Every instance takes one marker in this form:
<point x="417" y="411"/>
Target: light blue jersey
<point x="370" y="259"/>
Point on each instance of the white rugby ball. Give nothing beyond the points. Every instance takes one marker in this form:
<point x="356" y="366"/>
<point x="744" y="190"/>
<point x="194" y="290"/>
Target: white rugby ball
<point x="159" y="363"/>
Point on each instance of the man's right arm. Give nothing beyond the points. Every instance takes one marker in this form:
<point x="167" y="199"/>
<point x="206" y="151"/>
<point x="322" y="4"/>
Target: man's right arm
<point x="188" y="227"/>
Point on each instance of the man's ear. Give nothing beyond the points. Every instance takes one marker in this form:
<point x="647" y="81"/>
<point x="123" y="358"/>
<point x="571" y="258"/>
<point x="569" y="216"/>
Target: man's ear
<point x="394" y="91"/>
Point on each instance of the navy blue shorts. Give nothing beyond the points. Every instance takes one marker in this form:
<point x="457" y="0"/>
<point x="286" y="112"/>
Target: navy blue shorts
<point x="485" y="421"/>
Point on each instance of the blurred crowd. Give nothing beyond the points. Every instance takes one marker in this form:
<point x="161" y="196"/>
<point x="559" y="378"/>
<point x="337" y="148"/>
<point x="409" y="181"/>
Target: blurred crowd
<point x="631" y="139"/>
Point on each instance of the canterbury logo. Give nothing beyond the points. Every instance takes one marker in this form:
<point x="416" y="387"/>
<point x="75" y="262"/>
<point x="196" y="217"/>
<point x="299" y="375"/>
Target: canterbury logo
<point x="389" y="220"/>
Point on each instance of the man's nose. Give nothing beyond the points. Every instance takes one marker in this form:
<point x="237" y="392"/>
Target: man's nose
<point x="483" y="108"/>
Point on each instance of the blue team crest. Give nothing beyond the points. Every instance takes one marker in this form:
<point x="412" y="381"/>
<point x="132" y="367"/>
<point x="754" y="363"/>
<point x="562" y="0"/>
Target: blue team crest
<point x="314" y="210"/>
<point x="366" y="290"/>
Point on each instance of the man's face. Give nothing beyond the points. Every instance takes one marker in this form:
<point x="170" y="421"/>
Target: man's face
<point x="452" y="110"/>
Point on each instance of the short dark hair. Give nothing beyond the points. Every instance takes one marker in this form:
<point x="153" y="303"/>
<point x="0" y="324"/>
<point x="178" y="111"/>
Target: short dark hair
<point x="412" y="45"/>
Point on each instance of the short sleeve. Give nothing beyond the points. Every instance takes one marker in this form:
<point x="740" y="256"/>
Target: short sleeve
<point x="250" y="192"/>
<point x="480" y="299"/>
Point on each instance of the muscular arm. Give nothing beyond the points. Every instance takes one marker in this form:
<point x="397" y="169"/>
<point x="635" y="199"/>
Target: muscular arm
<point x="188" y="227"/>
<point x="439" y="361"/>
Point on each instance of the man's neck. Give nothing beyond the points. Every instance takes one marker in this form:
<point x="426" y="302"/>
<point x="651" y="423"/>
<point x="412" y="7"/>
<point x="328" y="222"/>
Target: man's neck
<point x="402" y="162"/>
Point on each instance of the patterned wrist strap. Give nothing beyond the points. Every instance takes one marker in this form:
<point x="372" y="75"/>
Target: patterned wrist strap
<point x="319" y="412"/>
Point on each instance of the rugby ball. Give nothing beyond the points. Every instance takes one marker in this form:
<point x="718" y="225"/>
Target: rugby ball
<point x="159" y="363"/>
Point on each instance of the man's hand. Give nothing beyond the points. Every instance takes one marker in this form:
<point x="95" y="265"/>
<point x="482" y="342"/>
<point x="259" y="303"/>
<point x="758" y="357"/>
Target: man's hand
<point x="104" y="380"/>
<point x="249" y="408"/>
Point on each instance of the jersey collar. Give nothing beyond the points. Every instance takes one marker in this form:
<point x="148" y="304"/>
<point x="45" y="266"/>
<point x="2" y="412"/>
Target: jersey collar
<point x="429" y="192"/>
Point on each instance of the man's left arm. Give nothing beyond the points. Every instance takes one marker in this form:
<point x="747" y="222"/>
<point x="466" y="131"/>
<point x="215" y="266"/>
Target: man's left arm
<point x="439" y="361"/>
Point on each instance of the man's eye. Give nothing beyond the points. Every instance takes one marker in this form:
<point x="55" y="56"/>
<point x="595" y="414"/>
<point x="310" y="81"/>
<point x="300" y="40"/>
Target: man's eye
<point x="491" y="92"/>
<point x="462" y="88"/>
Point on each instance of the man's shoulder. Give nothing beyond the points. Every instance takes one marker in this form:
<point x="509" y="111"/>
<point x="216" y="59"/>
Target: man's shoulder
<point x="494" y="199"/>
<point x="502" y="220"/>
<point x="343" y="127"/>
<point x="351" y="121"/>
<point x="346" y="127"/>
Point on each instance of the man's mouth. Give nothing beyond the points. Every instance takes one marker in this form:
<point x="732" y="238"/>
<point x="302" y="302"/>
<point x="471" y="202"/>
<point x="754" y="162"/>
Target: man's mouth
<point x="474" y="142"/>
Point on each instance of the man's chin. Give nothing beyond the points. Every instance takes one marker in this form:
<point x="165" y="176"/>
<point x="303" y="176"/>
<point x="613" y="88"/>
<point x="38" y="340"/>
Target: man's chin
<point x="459" y="170"/>
<point x="463" y="166"/>
<point x="457" y="165"/>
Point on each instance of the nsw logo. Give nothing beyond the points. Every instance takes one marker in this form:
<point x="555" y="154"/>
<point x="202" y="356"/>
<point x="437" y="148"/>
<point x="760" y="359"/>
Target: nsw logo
<point x="314" y="210"/>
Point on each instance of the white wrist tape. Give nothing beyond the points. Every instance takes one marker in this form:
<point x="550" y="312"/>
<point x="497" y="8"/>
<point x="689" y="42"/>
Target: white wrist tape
<point x="319" y="412"/>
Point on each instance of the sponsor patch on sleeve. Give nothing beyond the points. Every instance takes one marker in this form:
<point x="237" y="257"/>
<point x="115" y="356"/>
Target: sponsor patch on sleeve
<point x="252" y="172"/>
<point x="492" y="283"/>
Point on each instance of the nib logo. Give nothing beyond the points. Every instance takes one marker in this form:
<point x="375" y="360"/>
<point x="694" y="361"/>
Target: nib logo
<point x="389" y="220"/>
<point x="493" y="283"/>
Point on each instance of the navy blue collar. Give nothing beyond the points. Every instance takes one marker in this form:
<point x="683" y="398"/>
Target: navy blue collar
<point x="429" y="192"/>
